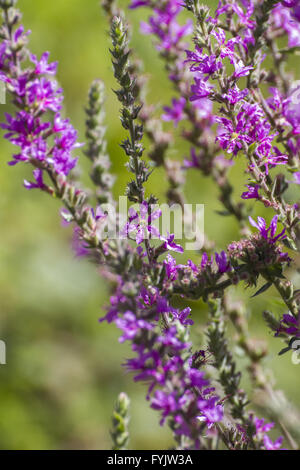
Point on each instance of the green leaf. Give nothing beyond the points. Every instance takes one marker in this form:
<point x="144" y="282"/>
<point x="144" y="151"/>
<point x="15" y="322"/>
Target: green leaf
<point x="262" y="289"/>
<point x="289" y="243"/>
<point x="223" y="213"/>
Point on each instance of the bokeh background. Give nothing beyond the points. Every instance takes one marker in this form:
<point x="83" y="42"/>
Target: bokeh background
<point x="63" y="371"/>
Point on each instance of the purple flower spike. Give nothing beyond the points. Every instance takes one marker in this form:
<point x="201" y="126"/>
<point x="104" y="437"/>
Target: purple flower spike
<point x="30" y="129"/>
<point x="163" y="23"/>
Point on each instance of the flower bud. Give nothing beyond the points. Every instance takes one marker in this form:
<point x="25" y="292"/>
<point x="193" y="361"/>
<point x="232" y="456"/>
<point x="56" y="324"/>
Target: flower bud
<point x="123" y="403"/>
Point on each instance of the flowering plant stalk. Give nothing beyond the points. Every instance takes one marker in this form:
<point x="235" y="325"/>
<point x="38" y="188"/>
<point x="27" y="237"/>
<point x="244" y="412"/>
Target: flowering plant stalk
<point x="222" y="107"/>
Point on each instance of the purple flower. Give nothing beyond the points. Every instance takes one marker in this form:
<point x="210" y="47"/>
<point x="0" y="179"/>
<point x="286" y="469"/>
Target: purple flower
<point x="226" y="48"/>
<point x="290" y="3"/>
<point x="192" y="267"/>
<point x="289" y="325"/>
<point x="203" y="107"/>
<point x="169" y="338"/>
<point x="183" y="317"/>
<point x="79" y="246"/>
<point x="274" y="160"/>
<point x="141" y="223"/>
<point x="268" y="233"/>
<point x="194" y="162"/>
<point x="39" y="183"/>
<point x="171" y="268"/>
<point x="289" y="108"/>
<point x="197" y="377"/>
<point x="20" y="34"/>
<point x="162" y="360"/>
<point x="29" y="129"/>
<point x="204" y="261"/>
<point x="234" y="95"/>
<point x="168" y="403"/>
<point x="203" y="63"/>
<point x="241" y="70"/>
<point x="211" y="411"/>
<point x="23" y="128"/>
<point x="229" y="139"/>
<point x="163" y="23"/>
<point x="223" y="262"/>
<point x="261" y="426"/>
<point x="42" y="94"/>
<point x="131" y="326"/>
<point x="250" y="127"/>
<point x="42" y="66"/>
<point x="270" y="445"/>
<point x="244" y="17"/>
<point x="261" y="429"/>
<point x="282" y="20"/>
<point x="176" y="112"/>
<point x="260" y="435"/>
<point x="252" y="192"/>
<point x="170" y="244"/>
<point x="200" y="89"/>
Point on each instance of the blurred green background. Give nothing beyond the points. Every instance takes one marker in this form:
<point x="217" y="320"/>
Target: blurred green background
<point x="63" y="371"/>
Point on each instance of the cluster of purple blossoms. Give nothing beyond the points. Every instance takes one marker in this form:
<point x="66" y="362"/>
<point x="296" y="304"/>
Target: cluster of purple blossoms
<point x="163" y="24"/>
<point x="170" y="36"/>
<point x="43" y="142"/>
<point x="206" y="66"/>
<point x="163" y="360"/>
<point x="261" y="430"/>
<point x="244" y="123"/>
<point x="259" y="254"/>
<point x="141" y="226"/>
<point x="286" y="109"/>
<point x="250" y="128"/>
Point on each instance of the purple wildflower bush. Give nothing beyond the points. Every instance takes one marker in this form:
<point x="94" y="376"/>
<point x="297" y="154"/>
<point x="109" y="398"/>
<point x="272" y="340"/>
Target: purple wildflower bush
<point x="229" y="103"/>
